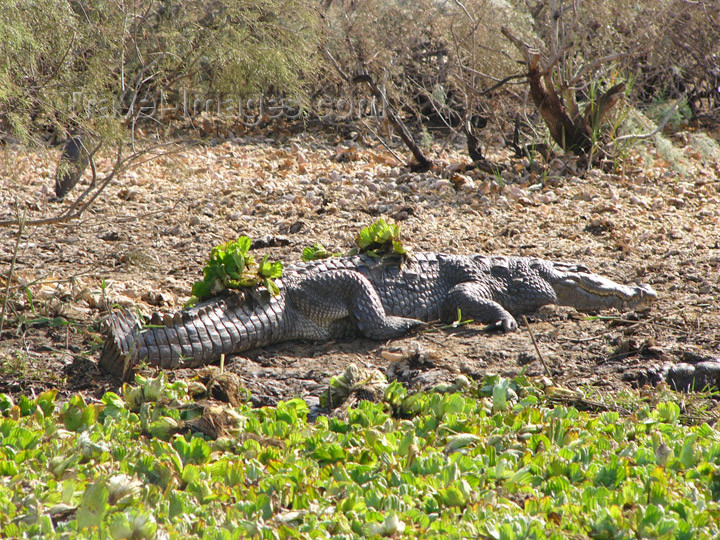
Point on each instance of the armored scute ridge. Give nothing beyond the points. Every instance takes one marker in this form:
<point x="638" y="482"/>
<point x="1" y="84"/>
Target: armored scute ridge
<point x="377" y="298"/>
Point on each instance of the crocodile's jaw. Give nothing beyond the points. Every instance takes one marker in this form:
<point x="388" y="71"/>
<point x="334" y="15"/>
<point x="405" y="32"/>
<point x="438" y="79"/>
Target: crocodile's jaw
<point x="589" y="292"/>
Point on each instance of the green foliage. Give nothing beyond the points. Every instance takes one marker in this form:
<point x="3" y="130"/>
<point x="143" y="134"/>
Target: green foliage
<point x="376" y="240"/>
<point x="380" y="238"/>
<point x="100" y="65"/>
<point x="500" y="463"/>
<point x="316" y="252"/>
<point x="231" y="267"/>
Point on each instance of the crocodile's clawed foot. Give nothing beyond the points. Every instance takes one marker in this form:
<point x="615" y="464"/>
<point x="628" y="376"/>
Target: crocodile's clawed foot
<point x="504" y="326"/>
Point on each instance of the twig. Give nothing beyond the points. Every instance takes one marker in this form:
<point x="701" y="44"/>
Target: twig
<point x="93" y="168"/>
<point x="527" y="51"/>
<point x="12" y="268"/>
<point x="582" y="340"/>
<point x="598" y="61"/>
<point x="537" y="349"/>
<point x="467" y="13"/>
<point x="45" y="281"/>
<point x="93" y="182"/>
<point x="379" y="138"/>
<point x="494" y="87"/>
<point x="346" y="78"/>
<point x="336" y="65"/>
<point x="634" y="324"/>
<point x="121" y="164"/>
<point x="592" y="404"/>
<point x="424" y="163"/>
<point x="557" y="48"/>
<point x="69" y="213"/>
<point x="41" y="83"/>
<point x="104" y="183"/>
<point x="654" y="131"/>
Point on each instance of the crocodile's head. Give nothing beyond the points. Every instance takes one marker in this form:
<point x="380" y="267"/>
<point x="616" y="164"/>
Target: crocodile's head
<point x="577" y="287"/>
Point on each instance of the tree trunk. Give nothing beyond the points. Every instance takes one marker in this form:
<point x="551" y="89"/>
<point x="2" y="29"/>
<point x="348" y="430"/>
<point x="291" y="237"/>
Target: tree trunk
<point x="570" y="129"/>
<point x="71" y="166"/>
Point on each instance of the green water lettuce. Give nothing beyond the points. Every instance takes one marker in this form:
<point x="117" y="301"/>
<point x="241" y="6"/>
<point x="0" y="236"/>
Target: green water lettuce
<point x="499" y="460"/>
<point x="230" y="266"/>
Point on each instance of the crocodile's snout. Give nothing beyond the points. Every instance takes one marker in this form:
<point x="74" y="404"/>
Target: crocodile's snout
<point x="644" y="297"/>
<point x="588" y="292"/>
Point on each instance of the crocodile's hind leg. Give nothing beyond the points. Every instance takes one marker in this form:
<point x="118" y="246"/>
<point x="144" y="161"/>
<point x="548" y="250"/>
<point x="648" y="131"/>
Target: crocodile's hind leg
<point x="473" y="303"/>
<point x="334" y="295"/>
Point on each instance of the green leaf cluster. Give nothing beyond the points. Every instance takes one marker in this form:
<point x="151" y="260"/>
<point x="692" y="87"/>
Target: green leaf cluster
<point x="316" y="252"/>
<point x="499" y="461"/>
<point x="379" y="239"/>
<point x="231" y="267"/>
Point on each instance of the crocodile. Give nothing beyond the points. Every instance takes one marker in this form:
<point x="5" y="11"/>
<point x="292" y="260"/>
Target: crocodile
<point x="379" y="298"/>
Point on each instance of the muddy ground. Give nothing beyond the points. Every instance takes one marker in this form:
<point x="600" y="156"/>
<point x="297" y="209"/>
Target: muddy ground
<point x="144" y="241"/>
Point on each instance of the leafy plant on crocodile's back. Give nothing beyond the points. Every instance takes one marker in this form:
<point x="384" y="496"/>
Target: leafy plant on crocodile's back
<point x="379" y="239"/>
<point x="231" y="267"/>
<point x="376" y="240"/>
<point x="316" y="252"/>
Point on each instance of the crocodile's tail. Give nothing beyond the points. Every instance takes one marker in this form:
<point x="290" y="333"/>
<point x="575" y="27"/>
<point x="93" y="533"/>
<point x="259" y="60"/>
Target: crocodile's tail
<point x="123" y="334"/>
<point x="193" y="337"/>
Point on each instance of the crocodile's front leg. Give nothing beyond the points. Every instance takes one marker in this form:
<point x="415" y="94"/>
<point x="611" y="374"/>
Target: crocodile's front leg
<point x="328" y="298"/>
<point x="471" y="299"/>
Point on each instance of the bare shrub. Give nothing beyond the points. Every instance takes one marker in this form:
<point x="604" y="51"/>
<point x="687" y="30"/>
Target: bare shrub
<point x="433" y="60"/>
<point x="670" y="47"/>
